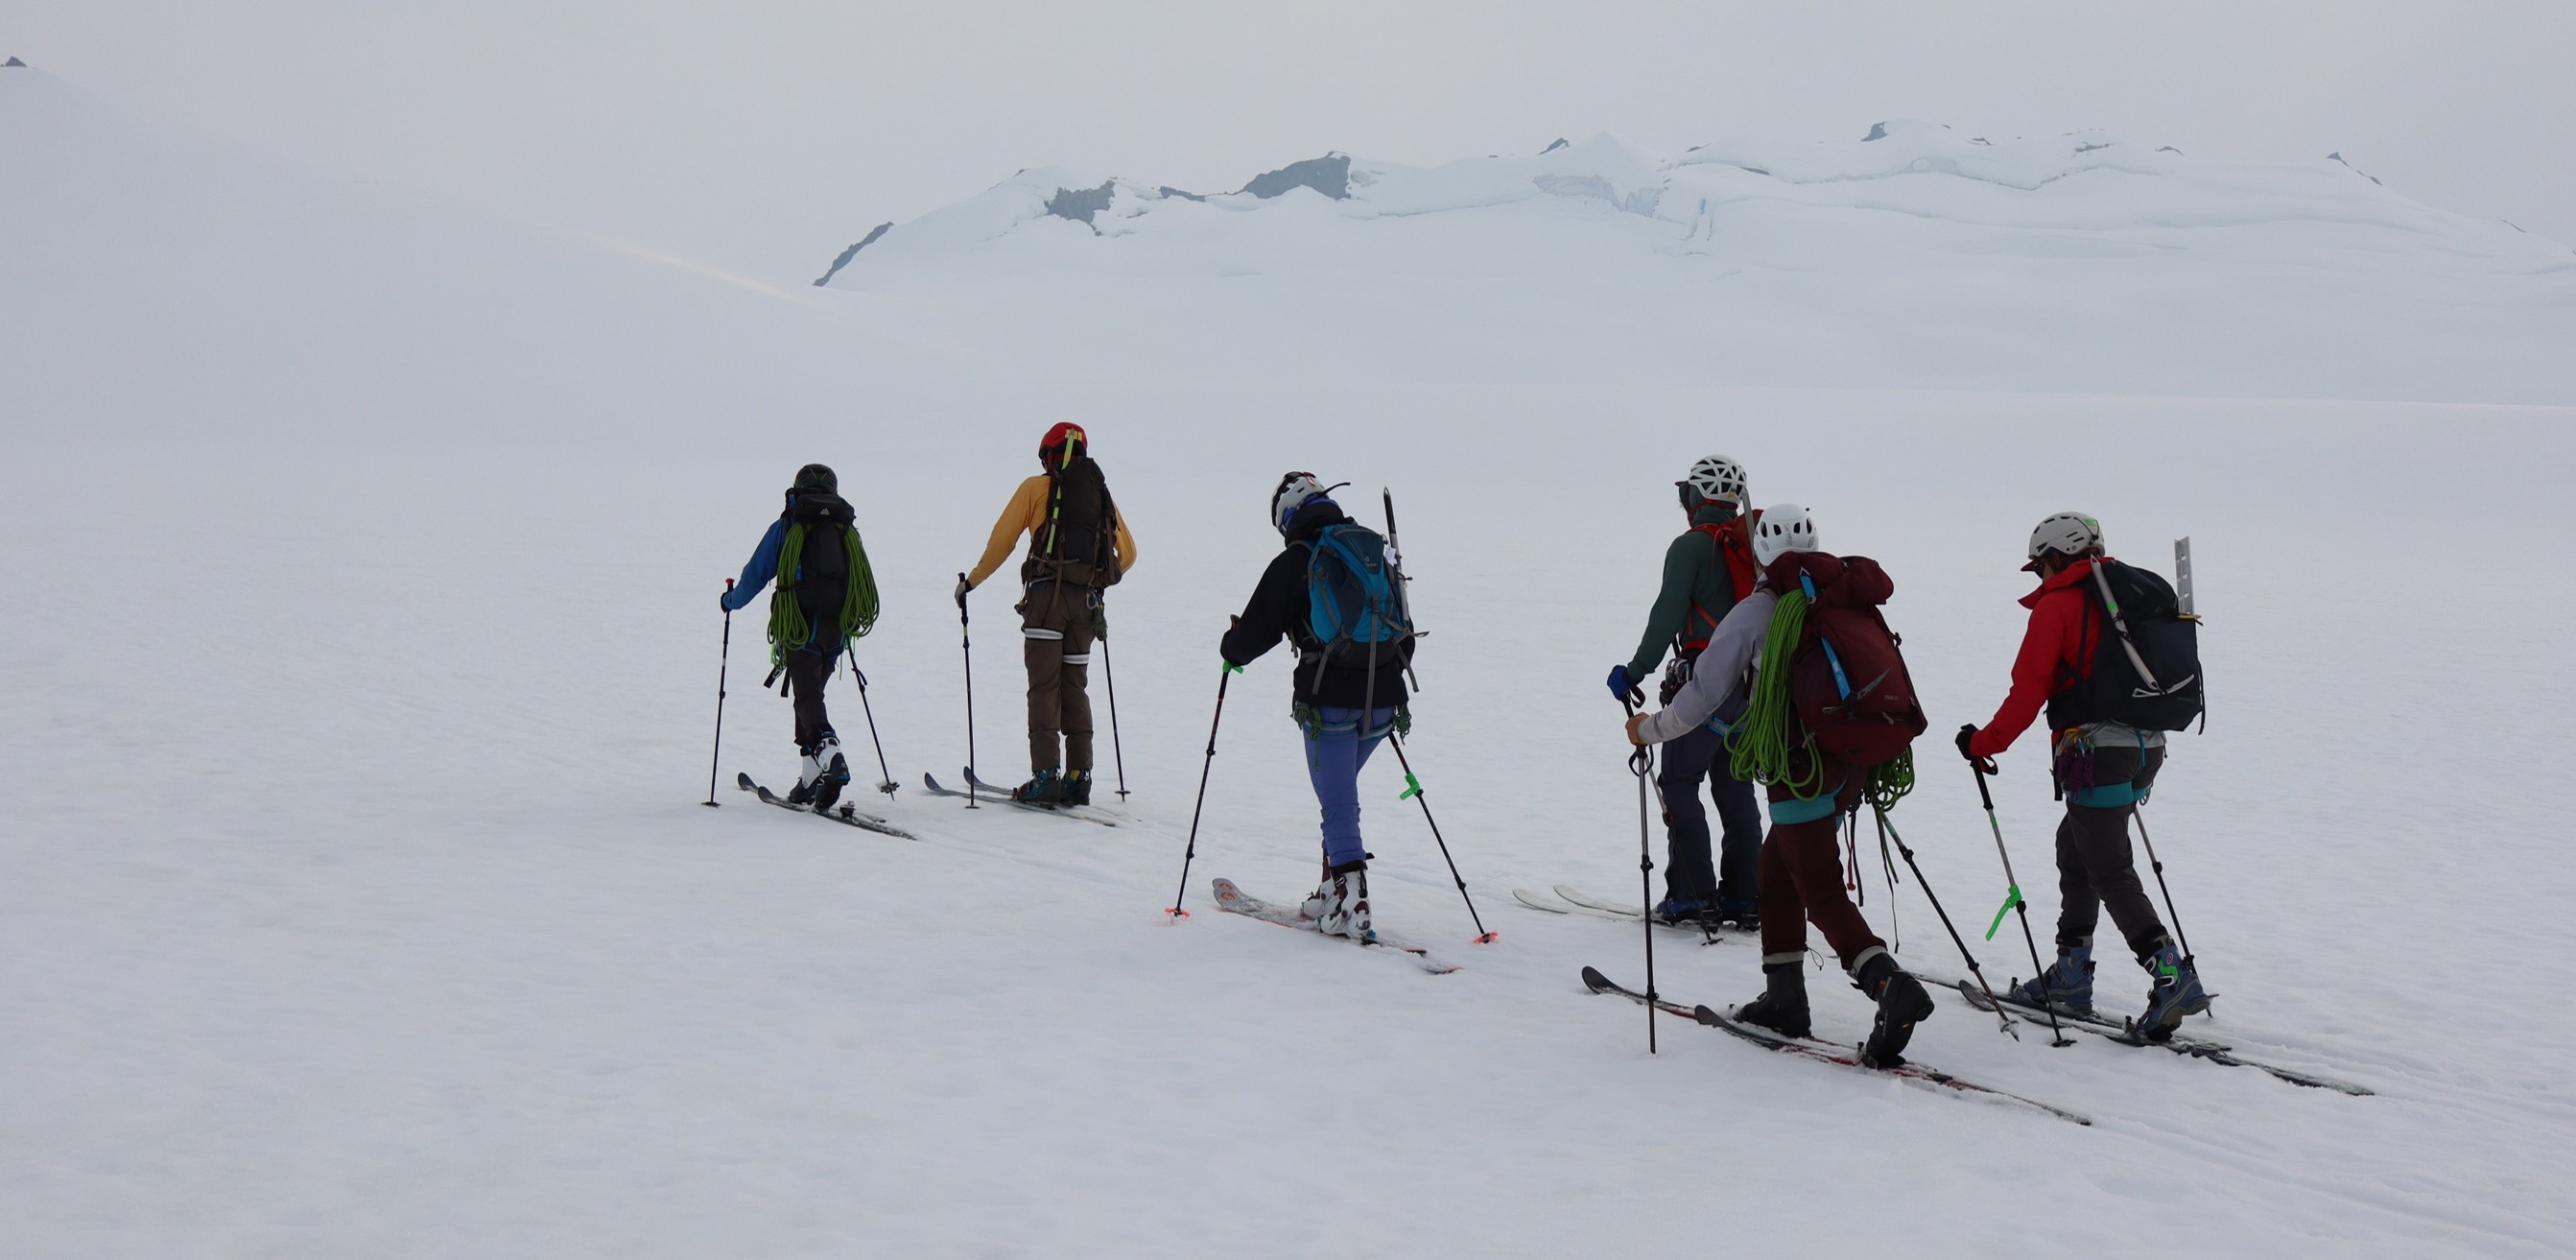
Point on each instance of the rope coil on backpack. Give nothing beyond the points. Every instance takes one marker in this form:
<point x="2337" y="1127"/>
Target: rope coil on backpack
<point x="788" y="628"/>
<point x="1768" y="739"/>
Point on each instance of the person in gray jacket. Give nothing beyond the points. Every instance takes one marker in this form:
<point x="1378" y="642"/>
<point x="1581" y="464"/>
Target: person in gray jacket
<point x="1800" y="865"/>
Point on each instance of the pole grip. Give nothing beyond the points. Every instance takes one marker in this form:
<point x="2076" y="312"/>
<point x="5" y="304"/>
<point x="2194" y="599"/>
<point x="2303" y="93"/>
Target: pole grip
<point x="1982" y="794"/>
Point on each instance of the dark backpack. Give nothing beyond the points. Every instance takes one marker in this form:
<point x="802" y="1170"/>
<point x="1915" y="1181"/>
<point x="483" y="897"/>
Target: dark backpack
<point x="1355" y="610"/>
<point x="825" y="564"/>
<point x="1847" y="676"/>
<point x="1078" y="543"/>
<point x="2146" y="666"/>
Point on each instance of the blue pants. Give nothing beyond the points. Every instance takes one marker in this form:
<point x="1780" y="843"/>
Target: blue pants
<point x="1336" y="748"/>
<point x="1688" y="873"/>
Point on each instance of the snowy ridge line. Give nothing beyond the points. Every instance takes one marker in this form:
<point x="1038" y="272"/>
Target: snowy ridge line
<point x="1827" y="1052"/>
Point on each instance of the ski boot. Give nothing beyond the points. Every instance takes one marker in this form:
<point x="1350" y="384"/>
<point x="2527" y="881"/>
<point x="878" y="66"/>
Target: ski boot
<point x="1046" y="787"/>
<point x="1077" y="787"/>
<point x="1675" y="911"/>
<point x="2177" y="992"/>
<point x="1782" y="1008"/>
<point x="1346" y="907"/>
<point x="832" y="772"/>
<point x="2068" y="984"/>
<point x="809" y="771"/>
<point x="1742" y="916"/>
<point x="1902" y="1003"/>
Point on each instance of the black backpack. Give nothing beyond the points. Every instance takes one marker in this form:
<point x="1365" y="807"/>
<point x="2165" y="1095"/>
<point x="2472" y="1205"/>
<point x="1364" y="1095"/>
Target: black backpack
<point x="826" y="576"/>
<point x="1078" y="543"/>
<point x="2146" y="668"/>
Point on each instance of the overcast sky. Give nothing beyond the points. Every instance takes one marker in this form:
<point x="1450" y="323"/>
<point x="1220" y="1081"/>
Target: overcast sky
<point x="764" y="135"/>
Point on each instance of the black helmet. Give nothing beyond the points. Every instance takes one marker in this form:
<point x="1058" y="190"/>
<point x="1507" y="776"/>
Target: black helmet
<point x="816" y="477"/>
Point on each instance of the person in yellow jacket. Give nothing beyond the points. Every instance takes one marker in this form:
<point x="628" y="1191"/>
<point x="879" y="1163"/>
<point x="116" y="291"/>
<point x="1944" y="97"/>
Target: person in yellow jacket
<point x="1078" y="546"/>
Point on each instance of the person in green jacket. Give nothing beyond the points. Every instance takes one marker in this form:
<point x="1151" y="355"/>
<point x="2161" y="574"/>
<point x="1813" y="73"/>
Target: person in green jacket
<point x="1705" y="571"/>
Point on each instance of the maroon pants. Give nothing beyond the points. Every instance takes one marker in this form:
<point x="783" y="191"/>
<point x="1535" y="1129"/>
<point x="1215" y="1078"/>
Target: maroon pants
<point x="1801" y="878"/>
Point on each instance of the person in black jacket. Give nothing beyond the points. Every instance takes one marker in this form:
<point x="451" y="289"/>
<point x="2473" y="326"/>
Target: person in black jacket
<point x="1345" y="708"/>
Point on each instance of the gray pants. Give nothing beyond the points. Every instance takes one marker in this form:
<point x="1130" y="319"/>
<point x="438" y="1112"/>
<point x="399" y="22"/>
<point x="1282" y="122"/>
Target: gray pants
<point x="2095" y="867"/>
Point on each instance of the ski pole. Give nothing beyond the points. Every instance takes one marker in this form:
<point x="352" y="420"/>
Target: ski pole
<point x="885" y="774"/>
<point x="1887" y="832"/>
<point x="1642" y="763"/>
<point x="966" y="639"/>
<point x="724" y="661"/>
<point x="1175" y="911"/>
<point x="1116" y="753"/>
<point x="1413" y="788"/>
<point x="2013" y="901"/>
<point x="2159" y="868"/>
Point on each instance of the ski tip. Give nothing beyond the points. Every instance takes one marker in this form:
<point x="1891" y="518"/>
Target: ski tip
<point x="1595" y="981"/>
<point x="1706" y="1016"/>
<point x="742" y="779"/>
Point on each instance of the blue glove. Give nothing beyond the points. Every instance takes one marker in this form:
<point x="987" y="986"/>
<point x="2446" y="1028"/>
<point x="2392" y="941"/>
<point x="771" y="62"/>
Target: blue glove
<point x="1622" y="689"/>
<point x="728" y="600"/>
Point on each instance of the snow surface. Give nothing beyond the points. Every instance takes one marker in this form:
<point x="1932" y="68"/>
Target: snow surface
<point x="360" y="675"/>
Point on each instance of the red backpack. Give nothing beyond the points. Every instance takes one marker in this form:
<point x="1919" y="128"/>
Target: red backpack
<point x="1847" y="676"/>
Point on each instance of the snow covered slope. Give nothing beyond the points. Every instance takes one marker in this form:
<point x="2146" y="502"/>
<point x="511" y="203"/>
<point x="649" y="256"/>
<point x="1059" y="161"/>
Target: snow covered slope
<point x="1914" y="258"/>
<point x="359" y="664"/>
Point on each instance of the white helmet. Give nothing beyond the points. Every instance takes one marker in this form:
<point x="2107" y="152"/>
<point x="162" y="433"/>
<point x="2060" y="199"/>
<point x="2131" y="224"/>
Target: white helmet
<point x="2066" y="534"/>
<point x="1785" y="527"/>
<point x="1293" y="492"/>
<point x="1715" y="477"/>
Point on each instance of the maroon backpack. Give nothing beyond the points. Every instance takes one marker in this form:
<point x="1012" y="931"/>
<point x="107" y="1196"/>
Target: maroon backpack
<point x="1847" y="677"/>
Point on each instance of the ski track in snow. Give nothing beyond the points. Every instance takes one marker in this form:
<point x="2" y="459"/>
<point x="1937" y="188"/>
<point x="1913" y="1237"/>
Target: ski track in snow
<point x="359" y="898"/>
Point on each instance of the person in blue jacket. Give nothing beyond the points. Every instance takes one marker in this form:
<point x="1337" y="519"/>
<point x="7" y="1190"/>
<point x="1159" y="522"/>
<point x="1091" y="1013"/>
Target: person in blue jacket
<point x="825" y="597"/>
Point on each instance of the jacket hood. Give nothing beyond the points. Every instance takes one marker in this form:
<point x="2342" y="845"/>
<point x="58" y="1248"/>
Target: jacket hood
<point x="1311" y="517"/>
<point x="2080" y="571"/>
<point x="1713" y="513"/>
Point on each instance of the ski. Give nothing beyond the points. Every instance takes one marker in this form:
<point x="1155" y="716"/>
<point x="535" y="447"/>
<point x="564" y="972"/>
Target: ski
<point x="2121" y="1032"/>
<point x="1826" y="1052"/>
<point x="986" y="792"/>
<point x="1231" y="898"/>
<point x="1604" y="908"/>
<point x="839" y="813"/>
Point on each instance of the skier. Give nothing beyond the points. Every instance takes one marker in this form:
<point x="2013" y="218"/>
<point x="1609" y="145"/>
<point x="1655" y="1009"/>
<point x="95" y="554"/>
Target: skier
<point x="1346" y="696"/>
<point x="1706" y="570"/>
<point x="1801" y="868"/>
<point x="2102" y="768"/>
<point x="826" y="596"/>
<point x="1078" y="545"/>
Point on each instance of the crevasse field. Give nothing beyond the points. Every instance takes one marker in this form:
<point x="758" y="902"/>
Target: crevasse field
<point x="360" y="658"/>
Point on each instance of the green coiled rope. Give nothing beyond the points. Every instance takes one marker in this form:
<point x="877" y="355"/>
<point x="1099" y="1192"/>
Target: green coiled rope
<point x="787" y="626"/>
<point x="1769" y="741"/>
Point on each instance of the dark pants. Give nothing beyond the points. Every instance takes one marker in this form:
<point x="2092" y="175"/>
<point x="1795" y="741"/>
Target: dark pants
<point x="2095" y="868"/>
<point x="807" y="672"/>
<point x="1055" y="626"/>
<point x="1802" y="882"/>
<point x="1702" y="755"/>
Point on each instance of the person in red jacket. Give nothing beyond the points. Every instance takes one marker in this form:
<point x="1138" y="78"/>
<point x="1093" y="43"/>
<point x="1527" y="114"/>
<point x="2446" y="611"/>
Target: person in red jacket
<point x="2102" y="768"/>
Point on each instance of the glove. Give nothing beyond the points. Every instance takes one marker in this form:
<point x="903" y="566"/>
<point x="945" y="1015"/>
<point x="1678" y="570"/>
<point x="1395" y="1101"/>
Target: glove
<point x="1623" y="689"/>
<point x="724" y="599"/>
<point x="963" y="586"/>
<point x="1984" y="765"/>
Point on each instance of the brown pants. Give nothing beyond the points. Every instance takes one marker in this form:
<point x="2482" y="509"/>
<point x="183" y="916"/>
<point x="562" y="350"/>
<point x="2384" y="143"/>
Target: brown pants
<point x="1801" y="881"/>
<point x="1055" y="624"/>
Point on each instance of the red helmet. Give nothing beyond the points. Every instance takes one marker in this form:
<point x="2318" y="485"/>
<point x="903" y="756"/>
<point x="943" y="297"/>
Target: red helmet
<point x="1066" y="437"/>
